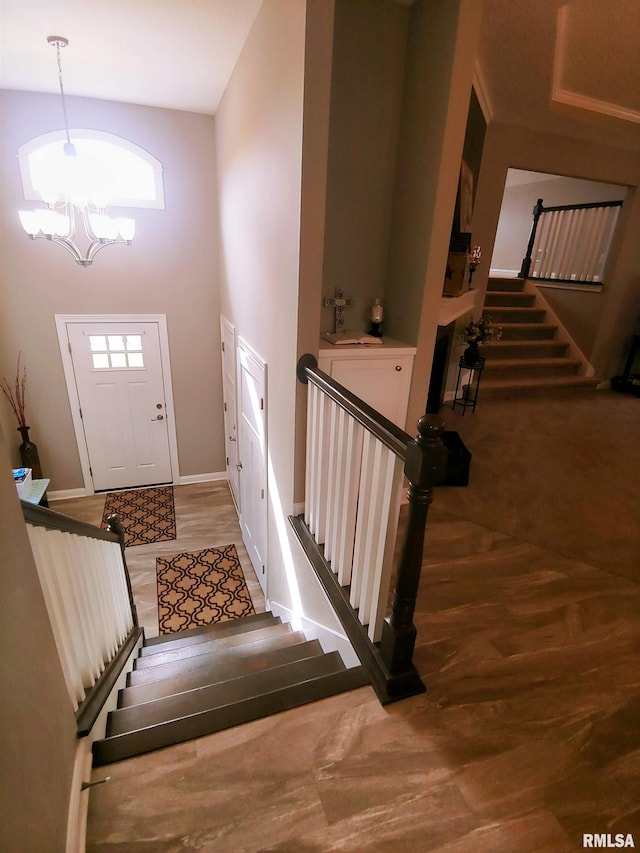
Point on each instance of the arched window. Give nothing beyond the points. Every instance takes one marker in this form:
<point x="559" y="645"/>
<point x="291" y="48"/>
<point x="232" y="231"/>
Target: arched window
<point x="108" y="170"/>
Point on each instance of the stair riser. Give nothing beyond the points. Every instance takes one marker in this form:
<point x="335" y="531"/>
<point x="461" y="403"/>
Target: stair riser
<point x="233" y="626"/>
<point x="540" y="349"/>
<point x="532" y="371"/>
<point x="235" y="668"/>
<point x="178" y="731"/>
<point x="510" y="285"/>
<point x="515" y="300"/>
<point x="193" y="651"/>
<point x="203" y="662"/>
<point x="514" y="315"/>
<point x="223" y="629"/>
<point x="523" y="332"/>
<point x="515" y="392"/>
<point x="204" y="699"/>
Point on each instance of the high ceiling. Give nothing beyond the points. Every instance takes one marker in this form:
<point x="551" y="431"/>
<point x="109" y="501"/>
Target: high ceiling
<point x="567" y="67"/>
<point x="571" y="68"/>
<point x="177" y="54"/>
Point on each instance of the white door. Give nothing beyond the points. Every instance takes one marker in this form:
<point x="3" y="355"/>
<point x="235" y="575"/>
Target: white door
<point x="119" y="379"/>
<point x="252" y="453"/>
<point x="228" y="337"/>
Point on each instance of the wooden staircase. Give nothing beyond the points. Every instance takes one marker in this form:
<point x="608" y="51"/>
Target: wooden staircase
<point x="528" y="359"/>
<point x="203" y="680"/>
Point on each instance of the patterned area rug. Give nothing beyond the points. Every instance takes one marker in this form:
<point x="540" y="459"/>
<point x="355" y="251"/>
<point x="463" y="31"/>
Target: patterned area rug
<point x="201" y="588"/>
<point x="147" y="515"/>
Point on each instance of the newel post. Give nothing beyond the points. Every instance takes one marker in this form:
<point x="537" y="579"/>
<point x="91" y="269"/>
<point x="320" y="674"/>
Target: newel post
<point x="424" y="467"/>
<point x="526" y="261"/>
<point x="115" y="526"/>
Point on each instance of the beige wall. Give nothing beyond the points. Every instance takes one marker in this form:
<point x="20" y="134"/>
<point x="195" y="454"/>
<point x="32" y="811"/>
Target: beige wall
<point x="315" y="143"/>
<point x="367" y="72"/>
<point x="522" y="148"/>
<point x="171" y="268"/>
<point x="440" y="59"/>
<point x="259" y="150"/>
<point x="38" y="724"/>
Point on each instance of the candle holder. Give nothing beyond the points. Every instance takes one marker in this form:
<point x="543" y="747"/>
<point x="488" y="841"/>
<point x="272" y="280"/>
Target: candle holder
<point x="377" y="313"/>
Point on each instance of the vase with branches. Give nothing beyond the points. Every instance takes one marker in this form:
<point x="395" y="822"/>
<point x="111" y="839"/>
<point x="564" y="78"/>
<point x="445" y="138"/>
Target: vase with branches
<point x="16" y="395"/>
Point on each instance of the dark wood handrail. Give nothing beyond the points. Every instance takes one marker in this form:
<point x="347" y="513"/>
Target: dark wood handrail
<point x="40" y="516"/>
<point x="425" y="459"/>
<point x="591" y="205"/>
<point x="538" y="210"/>
<point x="90" y="709"/>
<point x="386" y="431"/>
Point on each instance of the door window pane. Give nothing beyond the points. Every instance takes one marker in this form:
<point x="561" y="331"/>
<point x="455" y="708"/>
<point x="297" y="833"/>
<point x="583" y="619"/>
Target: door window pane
<point x="100" y="360"/>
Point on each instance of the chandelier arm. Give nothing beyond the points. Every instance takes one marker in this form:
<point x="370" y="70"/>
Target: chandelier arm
<point x="70" y="246"/>
<point x="96" y="245"/>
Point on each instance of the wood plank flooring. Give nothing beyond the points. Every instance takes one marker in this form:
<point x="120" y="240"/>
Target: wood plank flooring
<point x="205" y="518"/>
<point x="528" y="735"/>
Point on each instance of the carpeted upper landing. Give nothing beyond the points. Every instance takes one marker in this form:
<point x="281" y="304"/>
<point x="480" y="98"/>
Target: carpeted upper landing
<point x="562" y="473"/>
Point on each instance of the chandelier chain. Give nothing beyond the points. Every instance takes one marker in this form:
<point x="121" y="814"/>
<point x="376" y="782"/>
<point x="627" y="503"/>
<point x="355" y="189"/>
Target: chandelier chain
<point x="64" y="103"/>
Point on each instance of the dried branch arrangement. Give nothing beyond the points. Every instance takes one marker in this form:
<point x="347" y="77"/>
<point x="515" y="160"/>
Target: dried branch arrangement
<point x="16" y="395"/>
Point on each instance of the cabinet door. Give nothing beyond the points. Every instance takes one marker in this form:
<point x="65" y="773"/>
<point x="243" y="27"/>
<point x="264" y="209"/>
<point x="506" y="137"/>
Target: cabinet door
<point x="383" y="383"/>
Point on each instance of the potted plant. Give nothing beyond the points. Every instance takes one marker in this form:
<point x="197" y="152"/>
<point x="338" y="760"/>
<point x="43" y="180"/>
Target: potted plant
<point x="475" y="333"/>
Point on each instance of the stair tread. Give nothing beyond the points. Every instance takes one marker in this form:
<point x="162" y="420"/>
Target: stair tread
<point x="242" y="623"/>
<point x="520" y="309"/>
<point x="193" y="702"/>
<point x="148" y="675"/>
<point x="205" y="633"/>
<point x="124" y="746"/>
<point x="534" y="382"/>
<point x="243" y="663"/>
<point x="203" y="648"/>
<point x="525" y="325"/>
<point x="507" y="363"/>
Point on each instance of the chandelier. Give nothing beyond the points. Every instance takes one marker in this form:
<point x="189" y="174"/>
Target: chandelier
<point x="77" y="188"/>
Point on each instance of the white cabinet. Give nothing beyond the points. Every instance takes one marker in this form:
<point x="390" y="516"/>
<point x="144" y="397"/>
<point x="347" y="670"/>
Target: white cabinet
<point x="378" y="374"/>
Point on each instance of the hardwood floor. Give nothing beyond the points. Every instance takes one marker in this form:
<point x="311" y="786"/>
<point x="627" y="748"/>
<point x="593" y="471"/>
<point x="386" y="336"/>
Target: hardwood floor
<point x="528" y="735"/>
<point x="205" y="518"/>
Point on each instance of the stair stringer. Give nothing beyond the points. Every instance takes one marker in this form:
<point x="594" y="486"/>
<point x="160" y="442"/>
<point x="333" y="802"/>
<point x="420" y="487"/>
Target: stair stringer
<point x="586" y="369"/>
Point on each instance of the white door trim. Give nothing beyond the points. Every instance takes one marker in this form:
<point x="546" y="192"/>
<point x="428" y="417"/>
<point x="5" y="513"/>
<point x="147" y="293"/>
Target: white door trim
<point x="61" y="327"/>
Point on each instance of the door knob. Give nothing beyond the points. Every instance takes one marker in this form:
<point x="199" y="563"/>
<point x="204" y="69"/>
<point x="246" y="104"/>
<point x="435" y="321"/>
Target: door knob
<point x="232" y="438"/>
<point x="239" y="466"/>
<point x="158" y="418"/>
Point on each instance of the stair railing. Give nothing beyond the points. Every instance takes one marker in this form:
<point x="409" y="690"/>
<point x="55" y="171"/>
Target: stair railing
<point x="570" y="243"/>
<point x="356" y="461"/>
<point x="87" y="591"/>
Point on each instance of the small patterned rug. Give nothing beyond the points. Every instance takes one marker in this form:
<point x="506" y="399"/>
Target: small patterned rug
<point x="201" y="588"/>
<point x="147" y="515"/>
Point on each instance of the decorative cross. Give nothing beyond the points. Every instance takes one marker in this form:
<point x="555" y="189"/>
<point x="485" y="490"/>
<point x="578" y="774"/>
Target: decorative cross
<point x="338" y="302"/>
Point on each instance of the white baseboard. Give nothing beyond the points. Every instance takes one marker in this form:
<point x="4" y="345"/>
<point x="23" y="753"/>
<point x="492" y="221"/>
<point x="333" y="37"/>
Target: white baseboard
<point x="66" y="494"/>
<point x="202" y="478"/>
<point x="330" y="640"/>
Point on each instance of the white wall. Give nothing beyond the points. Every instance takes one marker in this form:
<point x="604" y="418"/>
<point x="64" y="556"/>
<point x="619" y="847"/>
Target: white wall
<point x="514" y="225"/>
<point x="170" y="268"/>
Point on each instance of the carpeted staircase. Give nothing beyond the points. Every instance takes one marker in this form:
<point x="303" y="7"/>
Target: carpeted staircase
<point x="528" y="359"/>
<point x="196" y="682"/>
